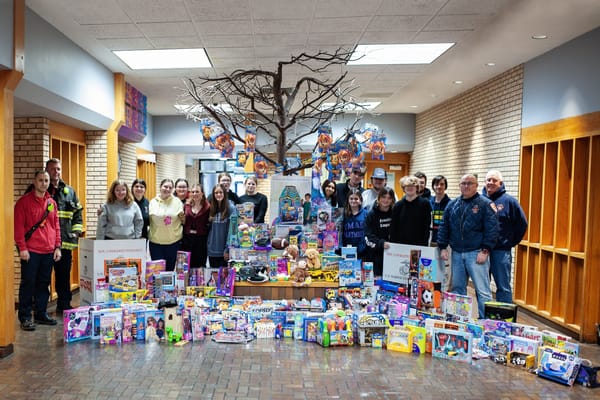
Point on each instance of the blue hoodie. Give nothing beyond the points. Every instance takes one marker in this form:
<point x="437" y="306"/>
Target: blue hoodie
<point x="512" y="222"/>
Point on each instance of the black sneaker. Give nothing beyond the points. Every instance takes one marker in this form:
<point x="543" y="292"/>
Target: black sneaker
<point x="28" y="325"/>
<point x="44" y="319"/>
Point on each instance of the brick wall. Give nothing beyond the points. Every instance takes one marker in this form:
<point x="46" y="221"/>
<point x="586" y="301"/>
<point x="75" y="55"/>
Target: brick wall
<point x="474" y="132"/>
<point x="31" y="150"/>
<point x="192" y="172"/>
<point x="128" y="158"/>
<point x="170" y="166"/>
<point x="96" y="171"/>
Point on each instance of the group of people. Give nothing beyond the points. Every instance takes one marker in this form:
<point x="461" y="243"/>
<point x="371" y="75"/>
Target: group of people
<point x="180" y="217"/>
<point x="481" y="228"/>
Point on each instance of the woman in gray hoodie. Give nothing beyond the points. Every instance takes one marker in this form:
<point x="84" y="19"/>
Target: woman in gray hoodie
<point x="121" y="217"/>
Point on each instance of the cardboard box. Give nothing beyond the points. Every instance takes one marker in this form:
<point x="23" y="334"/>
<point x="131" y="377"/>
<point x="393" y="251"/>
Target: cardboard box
<point x="92" y="254"/>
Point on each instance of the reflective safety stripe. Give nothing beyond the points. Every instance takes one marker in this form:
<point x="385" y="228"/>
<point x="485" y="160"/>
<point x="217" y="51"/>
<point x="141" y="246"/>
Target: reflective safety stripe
<point x="65" y="214"/>
<point x="77" y="228"/>
<point x="68" y="246"/>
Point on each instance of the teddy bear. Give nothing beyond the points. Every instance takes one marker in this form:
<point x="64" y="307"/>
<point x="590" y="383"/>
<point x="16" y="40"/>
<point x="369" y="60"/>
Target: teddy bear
<point x="300" y="274"/>
<point x="312" y="259"/>
<point x="291" y="252"/>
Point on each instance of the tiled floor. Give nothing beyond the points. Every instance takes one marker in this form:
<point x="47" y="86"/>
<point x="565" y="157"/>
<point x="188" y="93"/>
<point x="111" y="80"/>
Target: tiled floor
<point x="43" y="367"/>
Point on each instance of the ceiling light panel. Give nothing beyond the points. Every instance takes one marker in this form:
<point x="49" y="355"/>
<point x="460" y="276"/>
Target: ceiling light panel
<point x="398" y="53"/>
<point x="164" y="59"/>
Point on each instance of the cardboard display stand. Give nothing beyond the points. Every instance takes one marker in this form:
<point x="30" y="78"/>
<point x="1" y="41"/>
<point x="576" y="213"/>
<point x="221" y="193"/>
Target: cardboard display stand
<point x="92" y="254"/>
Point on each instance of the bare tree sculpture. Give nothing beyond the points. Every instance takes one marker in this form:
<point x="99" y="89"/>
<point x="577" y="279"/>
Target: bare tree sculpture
<point x="260" y="98"/>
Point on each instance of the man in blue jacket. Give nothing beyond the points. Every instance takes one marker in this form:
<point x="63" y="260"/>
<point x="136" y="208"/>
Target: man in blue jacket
<point x="512" y="225"/>
<point x="470" y="227"/>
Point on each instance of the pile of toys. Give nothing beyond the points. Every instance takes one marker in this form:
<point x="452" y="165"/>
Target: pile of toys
<point x="417" y="319"/>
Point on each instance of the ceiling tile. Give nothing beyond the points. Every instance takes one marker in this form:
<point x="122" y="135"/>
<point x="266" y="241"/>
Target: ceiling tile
<point x="97" y="12"/>
<point x="295" y="39"/>
<point x="345" y="8"/>
<point x="218" y="10"/>
<point x="127" y="44"/>
<point x="155" y="10"/>
<point x="278" y="52"/>
<point x="281" y="26"/>
<point x="167" y="29"/>
<point x="357" y="24"/>
<point x="237" y="27"/>
<point x="398" y="23"/>
<point x="232" y="52"/>
<point x="229" y="40"/>
<point x="456" y="22"/>
<point x="474" y="6"/>
<point x="441" y="36"/>
<point x="282" y="9"/>
<point x="181" y="42"/>
<point x="410" y="7"/>
<point x="377" y="37"/>
<point x="114" y="31"/>
<point x="340" y="39"/>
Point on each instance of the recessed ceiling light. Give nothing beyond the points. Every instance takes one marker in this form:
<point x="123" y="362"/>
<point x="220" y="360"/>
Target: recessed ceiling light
<point x="164" y="59"/>
<point x="424" y="53"/>
<point x="458" y="82"/>
<point x="539" y="37"/>
<point x="490" y="64"/>
<point x="413" y="106"/>
<point x="366" y="105"/>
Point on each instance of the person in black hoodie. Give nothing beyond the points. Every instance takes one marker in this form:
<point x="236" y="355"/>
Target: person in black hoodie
<point x="411" y="216"/>
<point x="377" y="228"/>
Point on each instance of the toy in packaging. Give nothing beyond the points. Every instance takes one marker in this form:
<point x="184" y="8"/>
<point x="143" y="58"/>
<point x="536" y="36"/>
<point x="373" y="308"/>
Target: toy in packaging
<point x="183" y="261"/>
<point x="155" y="326"/>
<point x="520" y="360"/>
<point x="245" y="213"/>
<point x="290" y="206"/>
<point x="496" y="347"/>
<point x="350" y="272"/>
<point x="558" y="366"/>
<point x="497" y="327"/>
<point x="368" y="325"/>
<point x="95" y="316"/>
<point x="367" y="272"/>
<point x="523" y="345"/>
<point x="588" y="374"/>
<point x="226" y="281"/>
<point x="429" y="297"/>
<point x="457" y="307"/>
<point x="419" y="338"/>
<point x="153" y="267"/>
<point x="400" y="339"/>
<point x="77" y="324"/>
<point x="198" y="323"/>
<point x="110" y="328"/>
<point x="452" y="345"/>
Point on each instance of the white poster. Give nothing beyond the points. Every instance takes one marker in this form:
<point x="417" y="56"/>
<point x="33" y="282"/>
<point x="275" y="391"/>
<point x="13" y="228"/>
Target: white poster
<point x="401" y="261"/>
<point x="287" y="193"/>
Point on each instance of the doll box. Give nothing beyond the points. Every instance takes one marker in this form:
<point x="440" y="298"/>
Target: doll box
<point x="77" y="324"/>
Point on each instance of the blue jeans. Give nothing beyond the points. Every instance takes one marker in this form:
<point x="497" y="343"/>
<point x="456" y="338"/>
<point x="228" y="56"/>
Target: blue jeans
<point x="167" y="252"/>
<point x="464" y="265"/>
<point x="500" y="264"/>
<point x="34" y="289"/>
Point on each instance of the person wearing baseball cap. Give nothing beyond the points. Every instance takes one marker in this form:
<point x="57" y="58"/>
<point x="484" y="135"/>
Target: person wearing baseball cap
<point x="378" y="182"/>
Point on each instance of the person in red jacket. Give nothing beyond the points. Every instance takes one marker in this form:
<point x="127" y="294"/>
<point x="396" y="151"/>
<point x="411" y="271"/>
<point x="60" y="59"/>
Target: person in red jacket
<point x="37" y="235"/>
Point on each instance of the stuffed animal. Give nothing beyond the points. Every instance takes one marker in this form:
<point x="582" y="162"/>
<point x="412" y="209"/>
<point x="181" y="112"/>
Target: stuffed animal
<point x="291" y="252"/>
<point x="312" y="259"/>
<point x="300" y="273"/>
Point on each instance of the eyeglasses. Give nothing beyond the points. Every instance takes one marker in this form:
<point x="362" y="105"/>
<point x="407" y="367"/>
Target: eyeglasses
<point x="467" y="183"/>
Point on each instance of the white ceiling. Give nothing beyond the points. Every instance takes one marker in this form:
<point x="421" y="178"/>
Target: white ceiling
<point x="258" y="33"/>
